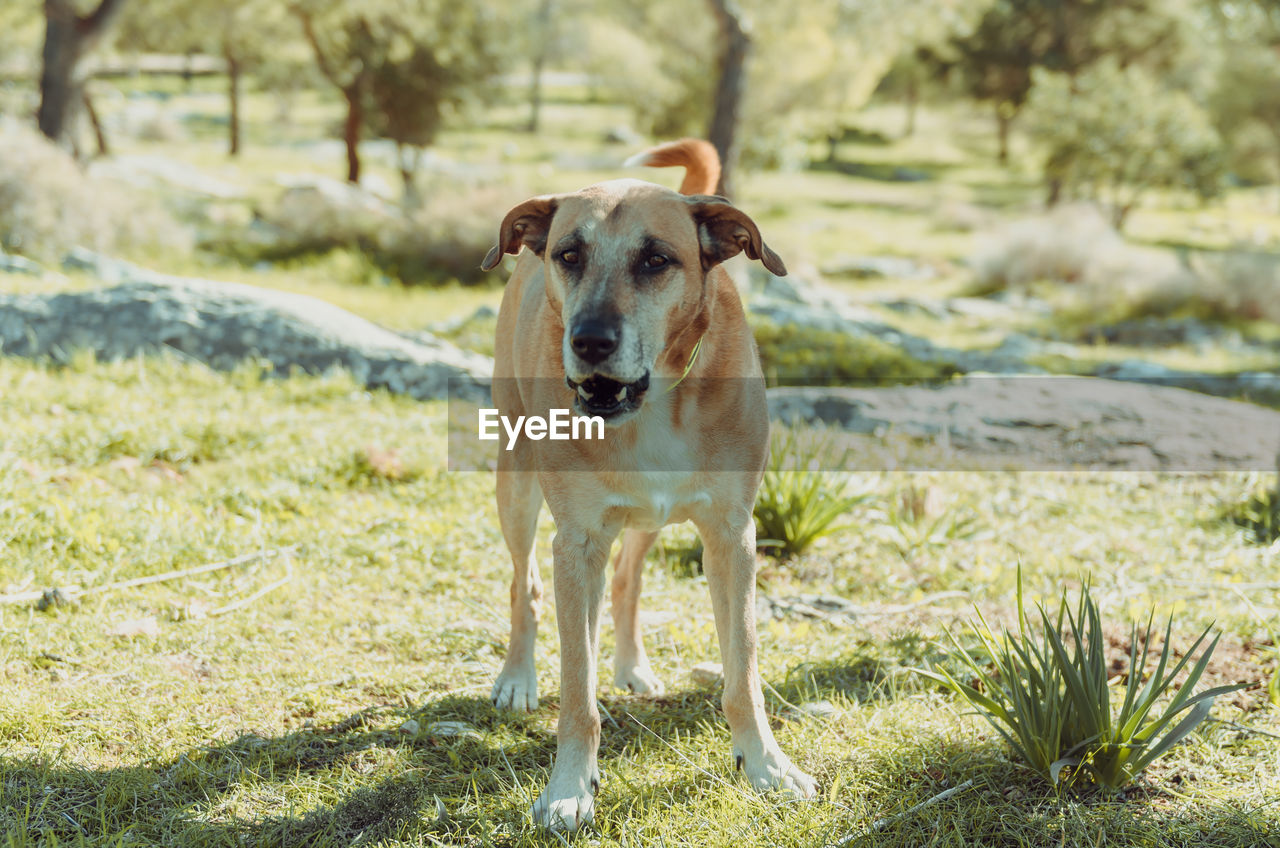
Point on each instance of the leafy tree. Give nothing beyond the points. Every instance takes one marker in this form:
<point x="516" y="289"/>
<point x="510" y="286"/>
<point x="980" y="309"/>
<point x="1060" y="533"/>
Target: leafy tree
<point x="244" y="33"/>
<point x="997" y="58"/>
<point x="69" y="36"/>
<point x="799" y="69"/>
<point x="1246" y="110"/>
<point x="414" y="85"/>
<point x="400" y="63"/>
<point x="1112" y="134"/>
<point x="1245" y="98"/>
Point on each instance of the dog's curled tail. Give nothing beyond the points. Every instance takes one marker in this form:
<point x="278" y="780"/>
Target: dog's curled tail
<point x="699" y="158"/>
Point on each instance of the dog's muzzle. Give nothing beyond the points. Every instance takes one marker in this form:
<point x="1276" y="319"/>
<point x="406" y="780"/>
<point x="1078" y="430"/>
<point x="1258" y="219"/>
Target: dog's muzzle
<point x="606" y="397"/>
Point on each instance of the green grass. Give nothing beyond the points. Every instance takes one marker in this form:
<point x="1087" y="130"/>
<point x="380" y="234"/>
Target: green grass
<point x="275" y="719"/>
<point x="265" y="705"/>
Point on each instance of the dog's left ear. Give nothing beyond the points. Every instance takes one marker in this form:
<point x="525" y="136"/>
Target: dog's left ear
<point x="724" y="231"/>
<point x="526" y="225"/>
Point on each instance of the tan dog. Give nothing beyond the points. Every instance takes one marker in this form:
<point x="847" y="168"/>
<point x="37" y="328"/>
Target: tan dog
<point x="619" y="309"/>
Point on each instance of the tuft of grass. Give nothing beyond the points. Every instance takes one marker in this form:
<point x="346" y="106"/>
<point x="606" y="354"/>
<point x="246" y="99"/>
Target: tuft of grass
<point x="1049" y="694"/>
<point x="1259" y="516"/>
<point x="804" y="494"/>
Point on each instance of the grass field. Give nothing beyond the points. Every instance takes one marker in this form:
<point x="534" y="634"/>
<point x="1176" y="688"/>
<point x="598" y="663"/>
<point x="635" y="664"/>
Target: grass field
<point x="329" y="685"/>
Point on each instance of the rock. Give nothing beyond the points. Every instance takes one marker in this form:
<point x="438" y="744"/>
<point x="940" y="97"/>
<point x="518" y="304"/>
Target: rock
<point x="154" y="171"/>
<point x="815" y="709"/>
<point x="135" y="628"/>
<point x="936" y="309"/>
<point x="223" y="324"/>
<point x="1049" y="423"/>
<point x="877" y="267"/>
<point x="707" y="673"/>
<point x="11" y="264"/>
<point x="104" y="268"/>
<point x="1158" y="332"/>
<point x="453" y="728"/>
<point x="301" y="190"/>
<point x="1019" y="346"/>
<point x="1259" y="385"/>
<point x="483" y="312"/>
<point x="623" y="134"/>
<point x="409" y="727"/>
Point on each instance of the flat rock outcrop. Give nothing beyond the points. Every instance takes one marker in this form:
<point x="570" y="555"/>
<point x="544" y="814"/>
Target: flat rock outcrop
<point x="223" y="324"/>
<point x="1048" y="423"/>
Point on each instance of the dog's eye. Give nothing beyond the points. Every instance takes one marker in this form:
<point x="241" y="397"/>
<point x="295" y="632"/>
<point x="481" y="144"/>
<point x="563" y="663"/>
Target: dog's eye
<point x="656" y="261"/>
<point x="569" y="257"/>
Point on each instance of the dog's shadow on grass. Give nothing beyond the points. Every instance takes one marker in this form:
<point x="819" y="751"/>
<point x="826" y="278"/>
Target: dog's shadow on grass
<point x="387" y="773"/>
<point x="374" y="777"/>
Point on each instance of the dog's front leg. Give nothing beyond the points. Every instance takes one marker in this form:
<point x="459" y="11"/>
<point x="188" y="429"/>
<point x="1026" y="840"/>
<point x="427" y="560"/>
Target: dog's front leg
<point x="729" y="563"/>
<point x="580" y="558"/>
<point x="519" y="500"/>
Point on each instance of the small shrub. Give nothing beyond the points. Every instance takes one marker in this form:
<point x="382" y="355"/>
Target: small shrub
<point x="1065" y="245"/>
<point x="914" y="521"/>
<point x="1115" y="133"/>
<point x="794" y="355"/>
<point x="1259" y="516"/>
<point x="49" y="205"/>
<point x="1236" y="284"/>
<point x="442" y="239"/>
<point x="1048" y="693"/>
<point x="1115" y="281"/>
<point x="799" y="502"/>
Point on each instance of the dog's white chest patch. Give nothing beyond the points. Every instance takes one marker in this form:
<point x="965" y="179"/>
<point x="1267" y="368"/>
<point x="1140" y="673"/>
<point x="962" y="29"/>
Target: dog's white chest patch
<point x="666" y="489"/>
<point x="657" y="498"/>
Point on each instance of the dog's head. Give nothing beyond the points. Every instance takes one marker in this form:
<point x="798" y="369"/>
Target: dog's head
<point x="626" y="265"/>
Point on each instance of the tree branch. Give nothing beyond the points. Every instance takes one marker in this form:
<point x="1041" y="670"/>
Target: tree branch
<point x="95" y="23"/>
<point x="309" y="31"/>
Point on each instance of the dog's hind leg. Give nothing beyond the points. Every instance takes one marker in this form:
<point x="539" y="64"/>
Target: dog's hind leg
<point x="630" y="664"/>
<point x="519" y="501"/>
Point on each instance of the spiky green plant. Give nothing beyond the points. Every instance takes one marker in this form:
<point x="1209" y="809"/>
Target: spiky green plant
<point x="1049" y="695"/>
<point x="1019" y="686"/>
<point x="1260" y="516"/>
<point x="799" y="502"/>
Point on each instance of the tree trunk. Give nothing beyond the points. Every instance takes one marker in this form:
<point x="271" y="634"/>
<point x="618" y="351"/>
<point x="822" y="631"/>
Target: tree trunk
<point x="543" y="29"/>
<point x="913" y="104"/>
<point x="1120" y="214"/>
<point x="734" y="46"/>
<point x="1054" y="195"/>
<point x="409" y="159"/>
<point x="59" y="88"/>
<point x="99" y="134"/>
<point x="1003" y="121"/>
<point x="68" y="37"/>
<point x="233" y="98"/>
<point x="351" y="129"/>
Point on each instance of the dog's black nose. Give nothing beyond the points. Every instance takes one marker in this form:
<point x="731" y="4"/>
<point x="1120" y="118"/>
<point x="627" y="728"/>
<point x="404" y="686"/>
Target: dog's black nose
<point x="594" y="339"/>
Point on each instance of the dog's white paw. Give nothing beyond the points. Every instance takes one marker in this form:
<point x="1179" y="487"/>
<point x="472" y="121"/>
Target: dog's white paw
<point x="639" y="679"/>
<point x="774" y="771"/>
<point x="567" y="803"/>
<point x="516" y="689"/>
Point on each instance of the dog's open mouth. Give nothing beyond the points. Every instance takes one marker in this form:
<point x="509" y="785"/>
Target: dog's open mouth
<point x="608" y="398"/>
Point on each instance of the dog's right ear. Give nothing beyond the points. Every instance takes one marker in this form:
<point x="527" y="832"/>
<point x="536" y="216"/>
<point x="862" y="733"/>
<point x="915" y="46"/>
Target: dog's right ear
<point x="526" y="225"/>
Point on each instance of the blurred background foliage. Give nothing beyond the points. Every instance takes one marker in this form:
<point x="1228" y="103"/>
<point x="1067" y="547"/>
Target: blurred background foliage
<point x="1105" y="101"/>
<point x="1197" y="76"/>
